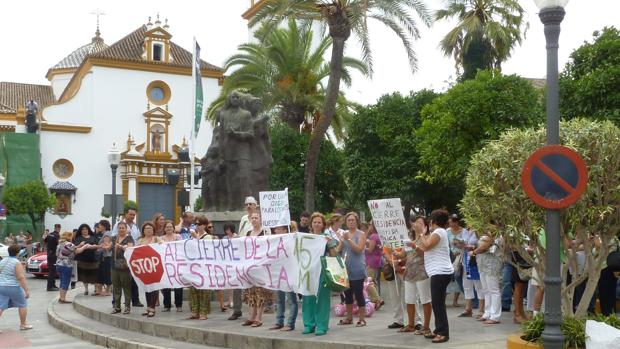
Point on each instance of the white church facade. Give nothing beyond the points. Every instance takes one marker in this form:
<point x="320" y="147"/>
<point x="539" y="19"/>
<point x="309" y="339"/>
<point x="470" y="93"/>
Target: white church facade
<point x="135" y="93"/>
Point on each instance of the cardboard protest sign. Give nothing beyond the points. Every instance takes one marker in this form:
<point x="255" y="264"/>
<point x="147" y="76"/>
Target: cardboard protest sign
<point x="389" y="220"/>
<point x="274" y="208"/>
<point x="287" y="262"/>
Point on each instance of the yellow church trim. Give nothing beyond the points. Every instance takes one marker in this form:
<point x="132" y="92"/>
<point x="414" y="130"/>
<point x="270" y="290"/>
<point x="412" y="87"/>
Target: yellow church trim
<point x="149" y="66"/>
<point x="65" y="128"/>
<point x="51" y="72"/>
<point x="247" y="15"/>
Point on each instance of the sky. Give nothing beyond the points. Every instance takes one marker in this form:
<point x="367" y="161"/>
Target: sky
<point x="37" y="34"/>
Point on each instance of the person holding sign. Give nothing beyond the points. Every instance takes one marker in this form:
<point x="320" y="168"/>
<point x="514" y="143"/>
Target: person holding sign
<point x="200" y="300"/>
<point x="148" y="237"/>
<point x="171" y="236"/>
<point x="353" y="247"/>
<point x="282" y="301"/>
<point x="315" y="310"/>
<point x="256" y="297"/>
<point x="439" y="267"/>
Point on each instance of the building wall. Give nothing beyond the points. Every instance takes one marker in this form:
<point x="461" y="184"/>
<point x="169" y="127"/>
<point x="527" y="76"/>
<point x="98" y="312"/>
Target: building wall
<point x="112" y="102"/>
<point x="59" y="82"/>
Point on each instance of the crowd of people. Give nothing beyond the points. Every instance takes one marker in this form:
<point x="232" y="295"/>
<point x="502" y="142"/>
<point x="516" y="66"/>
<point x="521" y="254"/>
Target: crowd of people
<point x="441" y="257"/>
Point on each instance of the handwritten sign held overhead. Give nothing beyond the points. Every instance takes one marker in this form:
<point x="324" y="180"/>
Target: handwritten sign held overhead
<point x="274" y="208"/>
<point x="389" y="220"/>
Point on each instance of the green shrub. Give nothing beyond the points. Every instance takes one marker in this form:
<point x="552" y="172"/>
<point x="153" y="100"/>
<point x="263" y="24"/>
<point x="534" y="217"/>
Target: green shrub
<point x="574" y="329"/>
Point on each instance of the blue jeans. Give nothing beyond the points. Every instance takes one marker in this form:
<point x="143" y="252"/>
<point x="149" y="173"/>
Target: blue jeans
<point x="65" y="276"/>
<point x="507" y="286"/>
<point x="292" y="311"/>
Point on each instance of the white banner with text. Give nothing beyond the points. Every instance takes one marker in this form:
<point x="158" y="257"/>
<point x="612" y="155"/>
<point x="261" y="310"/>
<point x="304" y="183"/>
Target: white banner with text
<point x="286" y="262"/>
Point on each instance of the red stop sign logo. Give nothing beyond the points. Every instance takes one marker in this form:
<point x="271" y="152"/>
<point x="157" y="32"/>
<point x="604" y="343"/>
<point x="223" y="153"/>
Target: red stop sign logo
<point x="146" y="265"/>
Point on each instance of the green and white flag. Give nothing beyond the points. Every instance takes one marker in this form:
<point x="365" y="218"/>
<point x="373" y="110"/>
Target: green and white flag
<point x="198" y="89"/>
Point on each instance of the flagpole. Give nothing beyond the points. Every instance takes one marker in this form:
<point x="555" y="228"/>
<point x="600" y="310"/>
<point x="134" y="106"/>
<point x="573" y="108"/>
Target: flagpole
<point x="193" y="133"/>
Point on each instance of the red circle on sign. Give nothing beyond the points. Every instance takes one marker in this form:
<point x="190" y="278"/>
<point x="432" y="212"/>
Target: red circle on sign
<point x="146" y="265"/>
<point x="535" y="160"/>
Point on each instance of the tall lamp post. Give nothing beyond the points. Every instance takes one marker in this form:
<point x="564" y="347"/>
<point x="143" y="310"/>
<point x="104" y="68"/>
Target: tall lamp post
<point x="114" y="158"/>
<point x="551" y="15"/>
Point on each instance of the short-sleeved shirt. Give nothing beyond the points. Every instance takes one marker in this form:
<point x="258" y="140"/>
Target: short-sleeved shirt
<point x="87" y="255"/>
<point x="118" y="254"/>
<point x="65" y="252"/>
<point x="373" y="258"/>
<point x="8" y="277"/>
<point x="355" y="263"/>
<point x="414" y="267"/>
<point x="437" y="260"/>
<point x="132" y="229"/>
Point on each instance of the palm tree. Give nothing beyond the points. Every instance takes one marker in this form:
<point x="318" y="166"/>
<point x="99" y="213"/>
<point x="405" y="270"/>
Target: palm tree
<point x="485" y="35"/>
<point x="342" y="18"/>
<point x="286" y="73"/>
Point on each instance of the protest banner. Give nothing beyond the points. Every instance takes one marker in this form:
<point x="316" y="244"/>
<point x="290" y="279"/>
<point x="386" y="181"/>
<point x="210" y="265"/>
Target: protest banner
<point x="287" y="262"/>
<point x="274" y="208"/>
<point x="389" y="220"/>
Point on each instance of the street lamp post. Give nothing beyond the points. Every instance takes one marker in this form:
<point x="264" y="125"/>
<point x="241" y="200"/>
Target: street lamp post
<point x="114" y="158"/>
<point x="551" y="15"/>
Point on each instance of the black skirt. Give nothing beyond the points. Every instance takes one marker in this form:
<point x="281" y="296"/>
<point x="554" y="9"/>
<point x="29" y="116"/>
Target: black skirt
<point x="104" y="276"/>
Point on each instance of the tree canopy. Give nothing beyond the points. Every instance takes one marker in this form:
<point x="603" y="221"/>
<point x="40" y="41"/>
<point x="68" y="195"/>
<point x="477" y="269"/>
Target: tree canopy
<point x="382" y="160"/>
<point x="459" y="123"/>
<point x="30" y="198"/>
<point x="486" y="33"/>
<point x="590" y="80"/>
<point x="289" y="153"/>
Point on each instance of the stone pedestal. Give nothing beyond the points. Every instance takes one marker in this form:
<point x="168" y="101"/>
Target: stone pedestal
<point x="220" y="218"/>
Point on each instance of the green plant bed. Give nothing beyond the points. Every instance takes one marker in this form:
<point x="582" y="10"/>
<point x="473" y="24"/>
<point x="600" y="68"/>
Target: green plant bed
<point x="574" y="329"/>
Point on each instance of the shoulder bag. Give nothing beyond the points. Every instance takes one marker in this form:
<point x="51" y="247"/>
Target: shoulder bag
<point x="335" y="273"/>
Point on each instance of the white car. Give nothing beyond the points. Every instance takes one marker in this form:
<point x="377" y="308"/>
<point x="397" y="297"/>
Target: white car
<point x="4" y="250"/>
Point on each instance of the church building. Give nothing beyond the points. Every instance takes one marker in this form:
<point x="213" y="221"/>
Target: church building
<point x="134" y="94"/>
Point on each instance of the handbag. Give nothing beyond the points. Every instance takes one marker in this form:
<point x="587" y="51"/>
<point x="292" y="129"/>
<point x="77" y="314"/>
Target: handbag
<point x="525" y="274"/>
<point x="335" y="273"/>
<point x="388" y="272"/>
<point x="457" y="265"/>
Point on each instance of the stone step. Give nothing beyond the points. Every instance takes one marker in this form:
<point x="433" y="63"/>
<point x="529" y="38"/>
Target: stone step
<point x="66" y="319"/>
<point x="219" y="332"/>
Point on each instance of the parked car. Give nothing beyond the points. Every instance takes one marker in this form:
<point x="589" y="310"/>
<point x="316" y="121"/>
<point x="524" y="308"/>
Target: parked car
<point x="4" y="251"/>
<point x="37" y="265"/>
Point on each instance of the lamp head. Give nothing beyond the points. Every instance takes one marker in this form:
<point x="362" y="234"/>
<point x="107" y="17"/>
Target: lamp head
<point x="114" y="156"/>
<point x="543" y="4"/>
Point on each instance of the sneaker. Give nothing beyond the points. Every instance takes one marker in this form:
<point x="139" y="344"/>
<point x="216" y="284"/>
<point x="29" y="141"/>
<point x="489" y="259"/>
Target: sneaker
<point x="394" y="325"/>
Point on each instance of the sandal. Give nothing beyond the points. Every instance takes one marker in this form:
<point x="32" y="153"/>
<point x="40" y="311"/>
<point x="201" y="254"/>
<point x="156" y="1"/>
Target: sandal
<point x="360" y="323"/>
<point x="490" y="322"/>
<point x="179" y="310"/>
<point x="287" y="328"/>
<point x="203" y="318"/>
<point x="345" y="322"/>
<point x="25" y="327"/>
<point x="465" y="314"/>
<point x="480" y="316"/>
<point x="247" y="323"/>
<point x="257" y="324"/>
<point x="150" y="314"/>
<point x="276" y="327"/>
<point x="440" y="339"/>
<point x="407" y="328"/>
<point x="193" y="317"/>
<point x="126" y="311"/>
<point x="422" y="332"/>
<point x="115" y="311"/>
<point x="430" y="335"/>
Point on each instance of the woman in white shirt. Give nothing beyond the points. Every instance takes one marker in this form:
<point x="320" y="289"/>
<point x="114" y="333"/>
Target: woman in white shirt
<point x="439" y="268"/>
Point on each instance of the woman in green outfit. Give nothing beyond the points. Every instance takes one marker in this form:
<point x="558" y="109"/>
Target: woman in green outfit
<point x="200" y="299"/>
<point x="316" y="309"/>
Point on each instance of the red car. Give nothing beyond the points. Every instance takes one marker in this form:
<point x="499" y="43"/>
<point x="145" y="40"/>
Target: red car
<point x="37" y="265"/>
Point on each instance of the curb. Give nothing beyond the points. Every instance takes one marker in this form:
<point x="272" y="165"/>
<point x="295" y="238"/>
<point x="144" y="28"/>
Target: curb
<point x="91" y="336"/>
<point x="216" y="338"/>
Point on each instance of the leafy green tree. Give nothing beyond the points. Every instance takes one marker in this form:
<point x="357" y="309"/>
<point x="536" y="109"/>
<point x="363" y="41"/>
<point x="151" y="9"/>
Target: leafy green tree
<point x="30" y="198"/>
<point x="494" y="192"/>
<point x="382" y="160"/>
<point x="486" y="33"/>
<point x="590" y="80"/>
<point x="285" y="71"/>
<point x="342" y="18"/>
<point x="459" y="123"/>
<point x="287" y="171"/>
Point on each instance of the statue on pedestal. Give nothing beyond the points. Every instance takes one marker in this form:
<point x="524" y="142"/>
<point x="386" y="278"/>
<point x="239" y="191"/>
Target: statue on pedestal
<point x="238" y="160"/>
<point x="32" y="108"/>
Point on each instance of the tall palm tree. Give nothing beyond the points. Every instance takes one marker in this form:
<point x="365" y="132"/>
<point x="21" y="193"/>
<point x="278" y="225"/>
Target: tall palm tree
<point x="286" y="72"/>
<point x="485" y="35"/>
<point x="342" y="18"/>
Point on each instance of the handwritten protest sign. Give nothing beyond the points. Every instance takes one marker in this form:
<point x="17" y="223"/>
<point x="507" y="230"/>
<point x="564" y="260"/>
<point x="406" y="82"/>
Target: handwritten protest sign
<point x="287" y="262"/>
<point x="274" y="209"/>
<point x="388" y="219"/>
